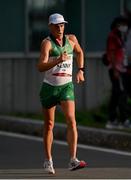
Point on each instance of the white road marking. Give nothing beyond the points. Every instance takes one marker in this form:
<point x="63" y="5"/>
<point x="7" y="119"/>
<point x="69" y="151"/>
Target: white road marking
<point x="63" y="143"/>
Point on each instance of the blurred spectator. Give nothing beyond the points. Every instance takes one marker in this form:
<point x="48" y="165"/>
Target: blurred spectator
<point x="128" y="51"/>
<point x="117" y="57"/>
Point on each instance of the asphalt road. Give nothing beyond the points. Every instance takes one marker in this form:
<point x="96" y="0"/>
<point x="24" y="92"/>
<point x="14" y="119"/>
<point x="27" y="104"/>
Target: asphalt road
<point x="22" y="157"/>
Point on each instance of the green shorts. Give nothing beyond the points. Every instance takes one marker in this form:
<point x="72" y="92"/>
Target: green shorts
<point x="53" y="95"/>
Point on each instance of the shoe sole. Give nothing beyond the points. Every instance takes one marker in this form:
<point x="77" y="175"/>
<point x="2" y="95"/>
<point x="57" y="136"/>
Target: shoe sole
<point x="49" y="172"/>
<point x="80" y="166"/>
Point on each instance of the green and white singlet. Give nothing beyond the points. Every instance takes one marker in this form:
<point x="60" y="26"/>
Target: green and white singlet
<point x="61" y="73"/>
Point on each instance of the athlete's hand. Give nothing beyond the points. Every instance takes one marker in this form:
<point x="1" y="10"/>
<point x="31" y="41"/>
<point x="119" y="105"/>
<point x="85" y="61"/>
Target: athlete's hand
<point x="80" y="76"/>
<point x="64" y="57"/>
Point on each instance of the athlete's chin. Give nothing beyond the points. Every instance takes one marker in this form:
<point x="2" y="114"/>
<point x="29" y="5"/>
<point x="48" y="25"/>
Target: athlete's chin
<point x="60" y="34"/>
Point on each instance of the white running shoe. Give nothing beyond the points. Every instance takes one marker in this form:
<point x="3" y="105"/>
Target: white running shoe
<point x="127" y="123"/>
<point x="48" y="167"/>
<point x="76" y="164"/>
<point x="111" y="125"/>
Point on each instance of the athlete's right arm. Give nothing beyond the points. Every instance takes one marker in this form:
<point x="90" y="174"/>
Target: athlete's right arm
<point x="44" y="64"/>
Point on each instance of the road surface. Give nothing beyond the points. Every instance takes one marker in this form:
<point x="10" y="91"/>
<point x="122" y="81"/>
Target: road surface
<point x="21" y="156"/>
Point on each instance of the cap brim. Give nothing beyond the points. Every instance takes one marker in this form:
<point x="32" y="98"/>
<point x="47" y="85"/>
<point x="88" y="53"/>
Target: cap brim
<point x="65" y="22"/>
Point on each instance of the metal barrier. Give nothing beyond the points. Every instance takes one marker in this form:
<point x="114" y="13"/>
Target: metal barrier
<point x="20" y="83"/>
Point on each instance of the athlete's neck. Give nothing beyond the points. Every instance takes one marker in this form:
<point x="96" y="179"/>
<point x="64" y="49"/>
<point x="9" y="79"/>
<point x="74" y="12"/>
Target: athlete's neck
<point x="60" y="41"/>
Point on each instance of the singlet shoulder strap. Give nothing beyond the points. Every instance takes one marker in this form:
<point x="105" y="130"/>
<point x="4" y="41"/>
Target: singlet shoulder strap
<point x="48" y="38"/>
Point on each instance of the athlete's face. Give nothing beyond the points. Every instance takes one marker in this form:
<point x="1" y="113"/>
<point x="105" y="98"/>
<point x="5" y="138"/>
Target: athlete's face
<point x="57" y="29"/>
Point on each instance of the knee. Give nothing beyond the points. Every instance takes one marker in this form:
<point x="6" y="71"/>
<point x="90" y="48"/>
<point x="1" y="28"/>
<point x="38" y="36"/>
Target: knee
<point x="48" y="125"/>
<point x="71" y="122"/>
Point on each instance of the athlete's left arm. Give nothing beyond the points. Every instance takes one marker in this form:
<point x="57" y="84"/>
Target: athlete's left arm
<point x="79" y="57"/>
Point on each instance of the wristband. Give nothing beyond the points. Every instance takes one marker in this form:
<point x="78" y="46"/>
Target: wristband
<point x="82" y="69"/>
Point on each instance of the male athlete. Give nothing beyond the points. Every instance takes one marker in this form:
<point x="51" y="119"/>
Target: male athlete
<point x="56" y="60"/>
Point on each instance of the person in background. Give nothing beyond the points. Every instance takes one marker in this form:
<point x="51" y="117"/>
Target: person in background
<point x="128" y="50"/>
<point x="56" y="60"/>
<point x="116" y="55"/>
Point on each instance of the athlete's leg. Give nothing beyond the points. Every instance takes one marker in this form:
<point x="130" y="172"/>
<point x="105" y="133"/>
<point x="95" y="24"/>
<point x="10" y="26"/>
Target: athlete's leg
<point x="49" y="115"/>
<point x="68" y="108"/>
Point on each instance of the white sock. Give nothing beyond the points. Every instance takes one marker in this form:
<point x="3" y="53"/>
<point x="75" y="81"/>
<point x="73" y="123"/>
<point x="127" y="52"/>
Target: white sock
<point x="73" y="159"/>
<point x="50" y="160"/>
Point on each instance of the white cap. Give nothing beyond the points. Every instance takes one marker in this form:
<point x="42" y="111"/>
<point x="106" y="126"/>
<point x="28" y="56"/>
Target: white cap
<point x="56" y="19"/>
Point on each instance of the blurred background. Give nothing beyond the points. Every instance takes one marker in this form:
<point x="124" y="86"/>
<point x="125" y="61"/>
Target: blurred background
<point x="24" y="24"/>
